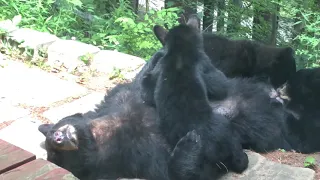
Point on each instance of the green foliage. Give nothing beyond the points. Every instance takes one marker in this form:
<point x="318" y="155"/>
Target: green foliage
<point x="87" y="58"/>
<point x="115" y="27"/>
<point x="309" y="41"/>
<point x="282" y="150"/>
<point x="136" y="34"/>
<point x="111" y="24"/>
<point x="116" y="73"/>
<point x="298" y="25"/>
<point x="41" y="15"/>
<point x="309" y="162"/>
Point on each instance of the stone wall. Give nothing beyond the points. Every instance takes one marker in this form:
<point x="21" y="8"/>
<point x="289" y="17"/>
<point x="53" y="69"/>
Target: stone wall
<point x="71" y="55"/>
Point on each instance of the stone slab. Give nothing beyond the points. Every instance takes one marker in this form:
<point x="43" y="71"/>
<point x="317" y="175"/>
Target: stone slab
<point x="105" y="61"/>
<point x="68" y="53"/>
<point x="1" y="57"/>
<point x="24" y="134"/>
<point x="8" y="26"/>
<point x="31" y="38"/>
<point x="81" y="105"/>
<point x="10" y="112"/>
<point x="35" y="87"/>
<point x="262" y="169"/>
<point x="38" y="169"/>
<point x="12" y="156"/>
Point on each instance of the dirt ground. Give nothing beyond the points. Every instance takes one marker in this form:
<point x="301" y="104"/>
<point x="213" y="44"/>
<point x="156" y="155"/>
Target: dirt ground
<point x="294" y="159"/>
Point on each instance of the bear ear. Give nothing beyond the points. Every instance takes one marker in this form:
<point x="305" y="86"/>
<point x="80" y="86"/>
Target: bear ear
<point x="160" y="33"/>
<point x="287" y="51"/>
<point x="45" y="128"/>
<point x="283" y="91"/>
<point x="194" y="22"/>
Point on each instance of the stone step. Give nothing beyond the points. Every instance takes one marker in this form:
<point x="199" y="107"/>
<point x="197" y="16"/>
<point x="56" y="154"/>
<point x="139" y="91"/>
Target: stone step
<point x="10" y="112"/>
<point x="24" y="134"/>
<point x="262" y="169"/>
<point x="35" y="87"/>
<point x="81" y="105"/>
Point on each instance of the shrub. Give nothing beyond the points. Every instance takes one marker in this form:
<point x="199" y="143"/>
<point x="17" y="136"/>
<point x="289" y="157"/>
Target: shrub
<point x="119" y="29"/>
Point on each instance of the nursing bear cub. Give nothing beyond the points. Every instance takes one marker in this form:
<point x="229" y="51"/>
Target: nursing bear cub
<point x="182" y="105"/>
<point x="253" y="108"/>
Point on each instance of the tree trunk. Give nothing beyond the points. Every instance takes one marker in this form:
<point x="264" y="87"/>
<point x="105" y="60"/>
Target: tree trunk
<point x="274" y="26"/>
<point x="208" y="15"/>
<point x="147" y="5"/>
<point x="262" y="24"/>
<point x="189" y="7"/>
<point x="234" y="16"/>
<point x="220" y="15"/>
<point x="134" y="6"/>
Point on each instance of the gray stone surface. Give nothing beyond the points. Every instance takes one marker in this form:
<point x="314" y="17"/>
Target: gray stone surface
<point x="31" y="38"/>
<point x="24" y="134"/>
<point x="34" y="87"/>
<point x="8" y="26"/>
<point x="67" y="53"/>
<point x="10" y="112"/>
<point x="81" y="105"/>
<point x="1" y="57"/>
<point x="262" y="169"/>
<point x="2" y="60"/>
<point x="106" y="61"/>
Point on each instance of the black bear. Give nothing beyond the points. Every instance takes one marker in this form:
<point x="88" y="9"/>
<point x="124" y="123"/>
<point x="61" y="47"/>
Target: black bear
<point x="303" y="88"/>
<point x="302" y="100"/>
<point x="246" y="102"/>
<point x="245" y="58"/>
<point x="120" y="139"/>
<point x="182" y="104"/>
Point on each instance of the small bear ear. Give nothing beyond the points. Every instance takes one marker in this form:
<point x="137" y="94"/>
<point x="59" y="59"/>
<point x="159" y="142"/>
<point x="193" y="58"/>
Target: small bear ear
<point x="194" y="22"/>
<point x="45" y="128"/>
<point x="286" y="53"/>
<point x="160" y="33"/>
<point x="288" y="50"/>
<point x="283" y="91"/>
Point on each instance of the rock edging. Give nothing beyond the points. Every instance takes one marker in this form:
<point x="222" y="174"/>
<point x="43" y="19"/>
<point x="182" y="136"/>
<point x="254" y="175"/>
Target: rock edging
<point x="71" y="55"/>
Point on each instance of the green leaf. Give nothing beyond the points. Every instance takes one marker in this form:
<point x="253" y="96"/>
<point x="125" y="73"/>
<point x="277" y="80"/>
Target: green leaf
<point x="309" y="161"/>
<point x="282" y="150"/>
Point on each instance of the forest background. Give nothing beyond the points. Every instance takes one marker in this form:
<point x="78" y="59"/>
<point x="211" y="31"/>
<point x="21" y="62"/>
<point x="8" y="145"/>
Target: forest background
<point x="126" y="25"/>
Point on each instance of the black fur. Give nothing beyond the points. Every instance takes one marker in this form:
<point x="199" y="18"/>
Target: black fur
<point x="245" y="58"/>
<point x="120" y="139"/>
<point x="180" y="97"/>
<point x="255" y="113"/>
<point x="302" y="100"/>
<point x="303" y="88"/>
<point x="208" y="72"/>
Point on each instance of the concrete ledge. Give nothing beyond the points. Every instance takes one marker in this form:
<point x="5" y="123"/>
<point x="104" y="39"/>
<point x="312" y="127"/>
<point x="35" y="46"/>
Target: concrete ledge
<point x="71" y="55"/>
<point x="262" y="169"/>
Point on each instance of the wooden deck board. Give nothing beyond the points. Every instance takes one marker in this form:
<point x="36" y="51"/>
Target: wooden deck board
<point x="12" y="156"/>
<point x="38" y="169"/>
